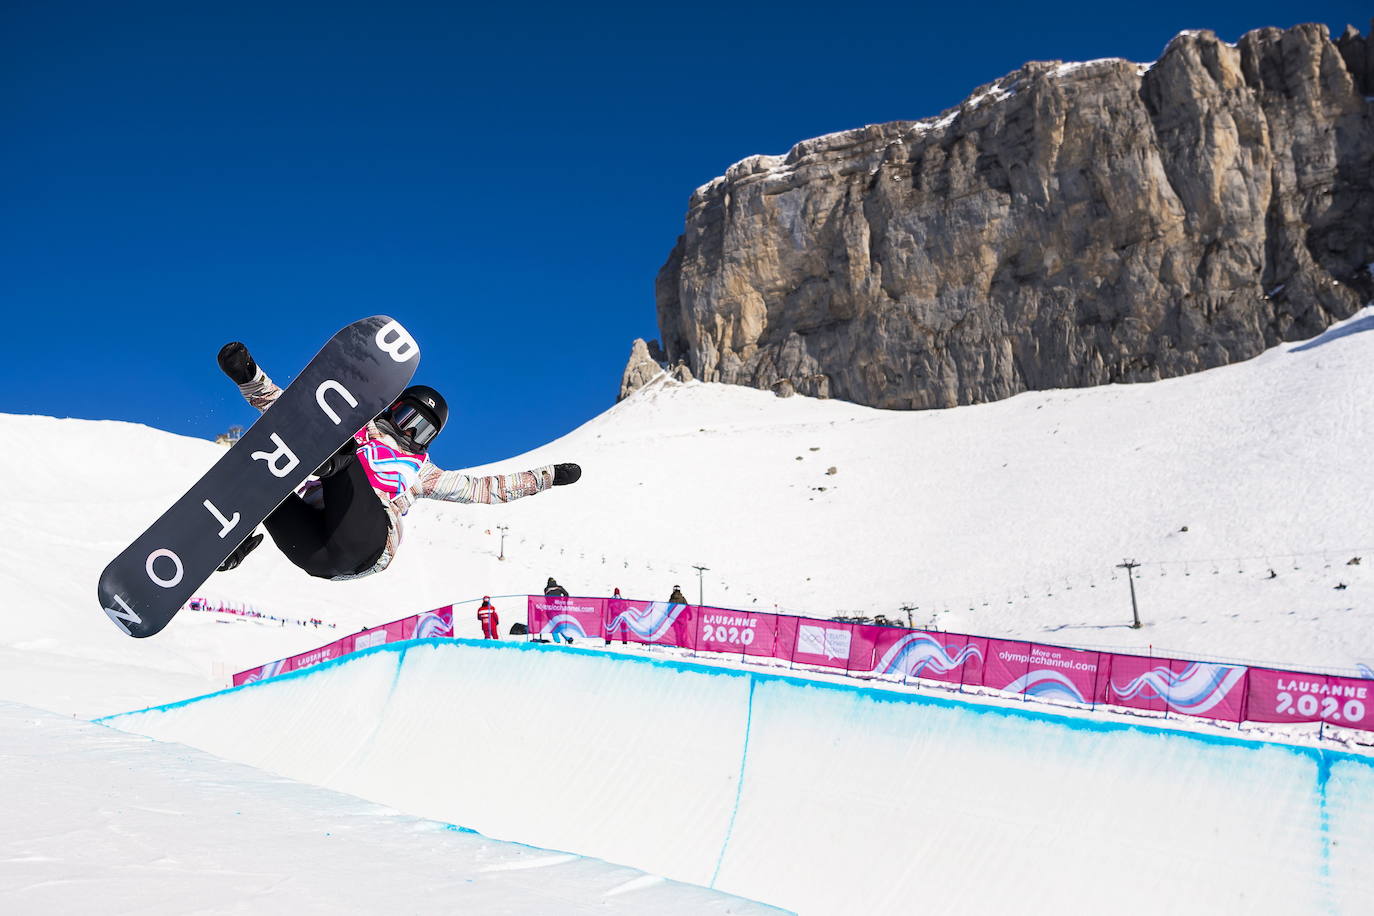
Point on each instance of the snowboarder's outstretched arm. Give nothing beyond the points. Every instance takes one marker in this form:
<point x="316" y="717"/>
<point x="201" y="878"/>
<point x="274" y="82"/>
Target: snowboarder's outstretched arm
<point x="452" y="486"/>
<point x="457" y="487"/>
<point x="256" y="388"/>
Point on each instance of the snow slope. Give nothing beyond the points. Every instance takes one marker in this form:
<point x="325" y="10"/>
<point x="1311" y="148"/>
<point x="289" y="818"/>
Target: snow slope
<point x="136" y="826"/>
<point x="1004" y="519"/>
<point x="822" y="798"/>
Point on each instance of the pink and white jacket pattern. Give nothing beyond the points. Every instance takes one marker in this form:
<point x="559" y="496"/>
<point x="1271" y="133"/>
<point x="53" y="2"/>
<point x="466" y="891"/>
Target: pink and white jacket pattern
<point x="399" y="482"/>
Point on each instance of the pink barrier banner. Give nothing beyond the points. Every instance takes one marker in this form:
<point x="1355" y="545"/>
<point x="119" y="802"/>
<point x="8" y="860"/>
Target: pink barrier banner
<point x="1131" y="682"/>
<point x="376" y="636"/>
<point x="946" y="657"/>
<point x="737" y="632"/>
<point x="567" y="618"/>
<point x="823" y="643"/>
<point x="863" y="647"/>
<point x="1286" y="696"/>
<point x="1042" y="672"/>
<point x="785" y="636"/>
<point x="315" y="656"/>
<point x="657" y="622"/>
<point x="431" y="624"/>
<point x="333" y="650"/>
<point x="1204" y="689"/>
<point x="435" y="623"/>
<point x="271" y="669"/>
<point x="1231" y="693"/>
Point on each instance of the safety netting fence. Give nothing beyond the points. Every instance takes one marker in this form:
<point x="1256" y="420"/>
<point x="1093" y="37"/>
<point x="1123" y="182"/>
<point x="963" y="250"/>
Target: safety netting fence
<point x="430" y="624"/>
<point x="1222" y="692"/>
<point x="1153" y="684"/>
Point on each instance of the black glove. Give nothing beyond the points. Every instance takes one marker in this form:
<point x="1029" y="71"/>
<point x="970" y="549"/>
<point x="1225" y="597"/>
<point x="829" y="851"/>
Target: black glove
<point x="234" y="559"/>
<point x="565" y="474"/>
<point x="237" y="363"/>
<point x="337" y="461"/>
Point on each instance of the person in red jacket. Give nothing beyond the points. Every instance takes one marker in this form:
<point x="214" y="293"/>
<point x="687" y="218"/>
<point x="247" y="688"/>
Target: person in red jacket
<point x="491" y="623"/>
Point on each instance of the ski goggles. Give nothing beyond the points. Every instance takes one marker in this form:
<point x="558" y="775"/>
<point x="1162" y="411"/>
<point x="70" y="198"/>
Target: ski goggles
<point x="414" y="423"/>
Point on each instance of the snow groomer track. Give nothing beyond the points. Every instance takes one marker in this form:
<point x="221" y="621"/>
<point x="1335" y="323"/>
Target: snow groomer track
<point x="814" y="796"/>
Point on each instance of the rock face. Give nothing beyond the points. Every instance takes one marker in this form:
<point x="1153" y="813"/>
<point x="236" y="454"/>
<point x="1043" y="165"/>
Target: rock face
<point x="647" y="364"/>
<point x="1067" y="225"/>
<point x="644" y="366"/>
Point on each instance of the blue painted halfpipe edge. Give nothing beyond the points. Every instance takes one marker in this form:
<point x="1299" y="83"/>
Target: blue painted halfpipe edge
<point x="1324" y="758"/>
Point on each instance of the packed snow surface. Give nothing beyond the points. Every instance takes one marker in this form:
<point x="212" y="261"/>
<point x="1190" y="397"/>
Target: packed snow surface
<point x="822" y="798"/>
<point x="1242" y="493"/>
<point x="128" y="825"/>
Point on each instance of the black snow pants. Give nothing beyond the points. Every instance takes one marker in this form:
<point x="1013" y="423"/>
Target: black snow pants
<point x="345" y="537"/>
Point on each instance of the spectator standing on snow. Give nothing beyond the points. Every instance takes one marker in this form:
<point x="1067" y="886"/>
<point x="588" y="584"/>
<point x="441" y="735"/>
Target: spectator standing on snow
<point x="677" y="597"/>
<point x="623" y="640"/>
<point x="489" y="619"/>
<point x="554" y="590"/>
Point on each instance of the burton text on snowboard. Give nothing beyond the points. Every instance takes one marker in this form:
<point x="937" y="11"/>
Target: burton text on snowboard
<point x="356" y="376"/>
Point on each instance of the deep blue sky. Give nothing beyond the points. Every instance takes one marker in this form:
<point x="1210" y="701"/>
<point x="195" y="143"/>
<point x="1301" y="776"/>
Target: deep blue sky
<point x="506" y="182"/>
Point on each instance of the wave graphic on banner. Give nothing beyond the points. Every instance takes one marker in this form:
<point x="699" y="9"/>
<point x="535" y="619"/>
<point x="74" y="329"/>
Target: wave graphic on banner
<point x="271" y="669"/>
<point x="432" y="625"/>
<point x="563" y="626"/>
<point x="649" y="623"/>
<point x="1195" y="689"/>
<point x="913" y="654"/>
<point x="1046" y="685"/>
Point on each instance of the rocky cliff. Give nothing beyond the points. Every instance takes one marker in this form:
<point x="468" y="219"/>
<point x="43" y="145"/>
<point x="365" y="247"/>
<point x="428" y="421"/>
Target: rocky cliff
<point x="1066" y="225"/>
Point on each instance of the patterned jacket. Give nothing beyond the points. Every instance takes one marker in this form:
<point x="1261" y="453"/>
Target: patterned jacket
<point x="429" y="483"/>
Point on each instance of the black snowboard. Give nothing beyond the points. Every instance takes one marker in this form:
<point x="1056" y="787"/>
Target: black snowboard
<point x="356" y="376"/>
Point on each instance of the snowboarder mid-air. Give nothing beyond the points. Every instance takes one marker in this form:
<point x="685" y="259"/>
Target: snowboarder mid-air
<point x="347" y="523"/>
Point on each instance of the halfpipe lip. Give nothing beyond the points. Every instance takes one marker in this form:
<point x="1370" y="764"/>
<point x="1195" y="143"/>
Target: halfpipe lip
<point x="1067" y="718"/>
